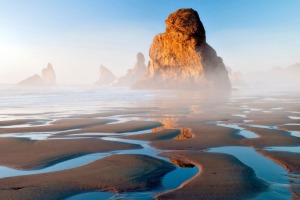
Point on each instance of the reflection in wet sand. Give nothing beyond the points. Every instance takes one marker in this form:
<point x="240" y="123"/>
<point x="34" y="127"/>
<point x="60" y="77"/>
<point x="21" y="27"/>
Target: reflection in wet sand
<point x="185" y="133"/>
<point x="182" y="164"/>
<point x="171" y="123"/>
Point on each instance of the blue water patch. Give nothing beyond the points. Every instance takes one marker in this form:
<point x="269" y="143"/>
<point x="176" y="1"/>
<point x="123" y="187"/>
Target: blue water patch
<point x="264" y="169"/>
<point x="285" y="149"/>
<point x="110" y="196"/>
<point x="243" y="132"/>
<point x="72" y="163"/>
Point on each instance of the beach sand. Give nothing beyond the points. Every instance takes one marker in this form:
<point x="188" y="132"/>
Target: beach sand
<point x="33" y="154"/>
<point x="131" y="126"/>
<point x="59" y="125"/>
<point x="205" y="136"/>
<point x="270" y="137"/>
<point x="116" y="173"/>
<point x="15" y="122"/>
<point x="290" y="127"/>
<point x="165" y="134"/>
<point x="221" y="177"/>
<point x="291" y="162"/>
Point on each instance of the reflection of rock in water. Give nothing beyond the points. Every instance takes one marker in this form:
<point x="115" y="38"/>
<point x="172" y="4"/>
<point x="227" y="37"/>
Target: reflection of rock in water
<point x="181" y="163"/>
<point x="185" y="133"/>
<point x="170" y="123"/>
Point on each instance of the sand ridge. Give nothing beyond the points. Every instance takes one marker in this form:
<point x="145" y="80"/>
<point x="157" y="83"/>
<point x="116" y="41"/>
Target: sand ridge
<point x="222" y="177"/>
<point x="115" y="173"/>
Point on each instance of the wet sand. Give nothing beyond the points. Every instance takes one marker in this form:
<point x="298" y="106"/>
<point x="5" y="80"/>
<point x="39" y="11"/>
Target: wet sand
<point x="29" y="154"/>
<point x="270" y="137"/>
<point x="108" y="114"/>
<point x="290" y="127"/>
<point x="181" y="127"/>
<point x="116" y="173"/>
<point x="211" y="116"/>
<point x="291" y="162"/>
<point x="131" y="126"/>
<point x="165" y="134"/>
<point x="15" y="122"/>
<point x="59" y="125"/>
<point x="222" y="177"/>
<point x="205" y="136"/>
<point x="271" y="118"/>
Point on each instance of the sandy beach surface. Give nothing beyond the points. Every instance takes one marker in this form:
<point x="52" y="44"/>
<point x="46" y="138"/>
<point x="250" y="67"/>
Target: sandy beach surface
<point x="31" y="154"/>
<point x="116" y="173"/>
<point x="156" y="147"/>
<point x="221" y="177"/>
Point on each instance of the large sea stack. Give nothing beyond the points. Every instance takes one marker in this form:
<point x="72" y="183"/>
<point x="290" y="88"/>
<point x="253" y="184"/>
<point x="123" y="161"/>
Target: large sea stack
<point x="180" y="58"/>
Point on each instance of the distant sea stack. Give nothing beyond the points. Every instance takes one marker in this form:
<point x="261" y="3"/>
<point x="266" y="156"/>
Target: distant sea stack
<point x="235" y="77"/>
<point x="135" y="74"/>
<point x="32" y="81"/>
<point x="48" y="75"/>
<point x="48" y="78"/>
<point x="106" y="77"/>
<point x="180" y="58"/>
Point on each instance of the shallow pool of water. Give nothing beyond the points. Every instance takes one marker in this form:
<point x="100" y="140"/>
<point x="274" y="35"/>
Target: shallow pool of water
<point x="243" y="132"/>
<point x="264" y="169"/>
<point x="286" y="149"/>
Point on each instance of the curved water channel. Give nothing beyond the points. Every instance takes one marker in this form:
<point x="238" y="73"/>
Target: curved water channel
<point x="264" y="168"/>
<point x="170" y="181"/>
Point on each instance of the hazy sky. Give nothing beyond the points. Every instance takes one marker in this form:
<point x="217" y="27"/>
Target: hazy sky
<point x="76" y="36"/>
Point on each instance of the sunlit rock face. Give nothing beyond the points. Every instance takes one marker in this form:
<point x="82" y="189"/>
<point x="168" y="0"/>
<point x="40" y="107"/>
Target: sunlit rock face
<point x="135" y="74"/>
<point x="180" y="58"/>
<point x="48" y="75"/>
<point x="32" y="81"/>
<point x="106" y="77"/>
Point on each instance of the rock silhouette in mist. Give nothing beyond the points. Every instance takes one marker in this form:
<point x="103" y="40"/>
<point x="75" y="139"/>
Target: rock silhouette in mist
<point x="48" y="75"/>
<point x="135" y="74"/>
<point x="180" y="58"/>
<point x="275" y="77"/>
<point x="48" y="78"/>
<point x="106" y="77"/>
<point x="235" y="77"/>
<point x="32" y="81"/>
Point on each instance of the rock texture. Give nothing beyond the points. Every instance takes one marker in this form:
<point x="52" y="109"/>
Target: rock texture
<point x="48" y="75"/>
<point x="181" y="58"/>
<point x="106" y="77"/>
<point x="135" y="74"/>
<point x="48" y="78"/>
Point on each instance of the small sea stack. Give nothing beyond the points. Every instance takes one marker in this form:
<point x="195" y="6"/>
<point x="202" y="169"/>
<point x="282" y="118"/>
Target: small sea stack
<point x="48" y="78"/>
<point x="135" y="74"/>
<point x="106" y="77"/>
